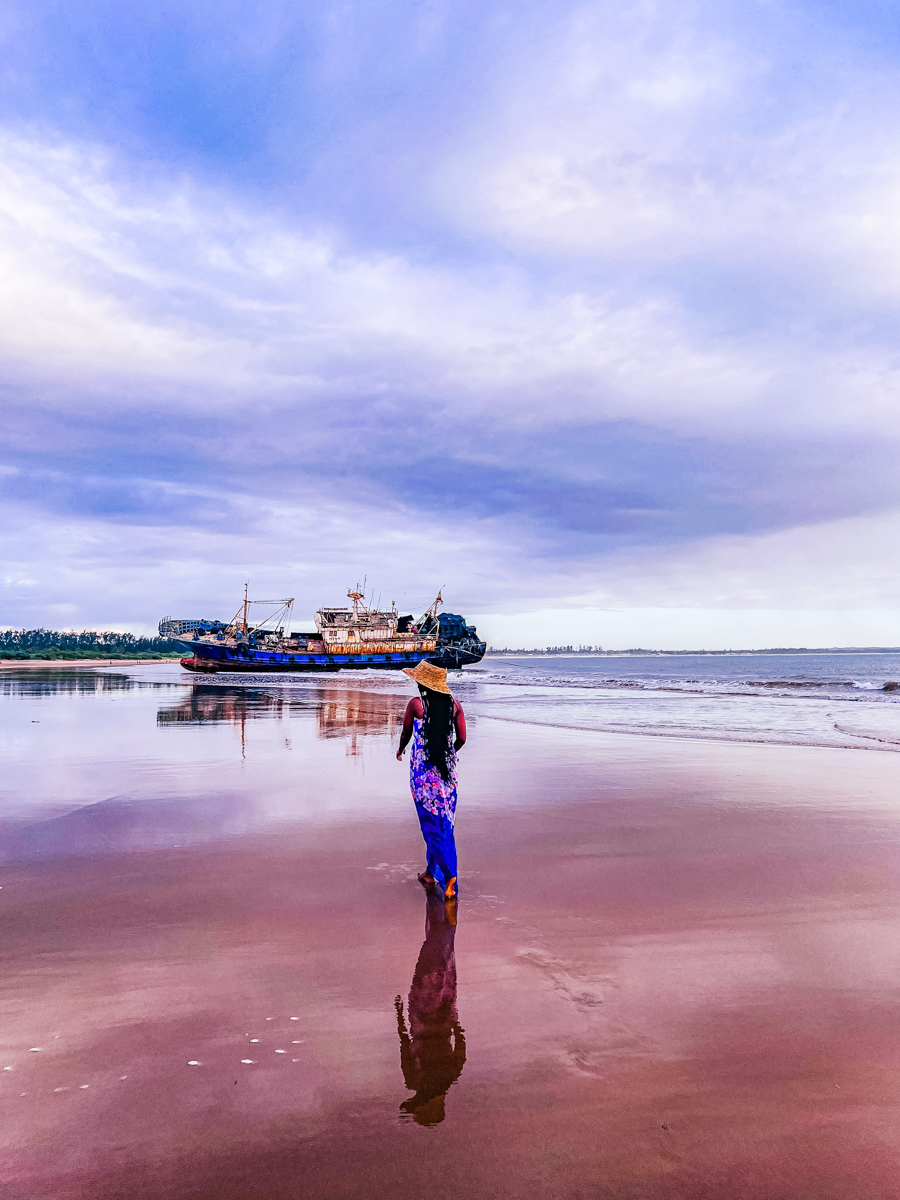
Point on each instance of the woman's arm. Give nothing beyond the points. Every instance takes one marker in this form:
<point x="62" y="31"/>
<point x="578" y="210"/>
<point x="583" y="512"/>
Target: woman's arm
<point x="413" y="713"/>
<point x="459" y="719"/>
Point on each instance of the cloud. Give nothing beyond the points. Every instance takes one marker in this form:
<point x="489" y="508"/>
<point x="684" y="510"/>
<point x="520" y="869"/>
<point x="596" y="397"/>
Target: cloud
<point x="651" y="136"/>
<point x="603" y="293"/>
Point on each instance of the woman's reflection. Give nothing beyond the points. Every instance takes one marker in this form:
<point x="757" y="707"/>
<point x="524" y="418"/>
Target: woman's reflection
<point x="433" y="1050"/>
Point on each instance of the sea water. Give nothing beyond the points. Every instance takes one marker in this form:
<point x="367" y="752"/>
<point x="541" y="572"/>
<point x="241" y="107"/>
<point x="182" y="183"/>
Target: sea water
<point x="817" y="699"/>
<point x="805" y="699"/>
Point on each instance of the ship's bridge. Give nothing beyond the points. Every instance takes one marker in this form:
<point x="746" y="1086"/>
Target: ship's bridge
<point x="345" y="625"/>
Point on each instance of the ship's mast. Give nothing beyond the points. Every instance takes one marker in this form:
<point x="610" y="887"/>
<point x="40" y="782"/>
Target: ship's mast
<point x="240" y="623"/>
<point x="429" y="617"/>
<point x="356" y="597"/>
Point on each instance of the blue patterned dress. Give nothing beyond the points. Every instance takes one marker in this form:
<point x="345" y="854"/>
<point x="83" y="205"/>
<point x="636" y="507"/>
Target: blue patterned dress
<point x="428" y="788"/>
<point x="435" y="800"/>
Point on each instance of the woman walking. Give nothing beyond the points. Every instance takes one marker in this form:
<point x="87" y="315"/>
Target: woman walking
<point x="437" y="725"/>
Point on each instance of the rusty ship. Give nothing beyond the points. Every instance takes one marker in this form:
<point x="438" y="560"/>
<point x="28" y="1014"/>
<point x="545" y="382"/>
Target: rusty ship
<point x="356" y="636"/>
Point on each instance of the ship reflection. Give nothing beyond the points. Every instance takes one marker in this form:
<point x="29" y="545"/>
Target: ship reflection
<point x="433" y="1048"/>
<point x="356" y="714"/>
<point x="338" y="713"/>
<point x="350" y="714"/>
<point x="211" y="705"/>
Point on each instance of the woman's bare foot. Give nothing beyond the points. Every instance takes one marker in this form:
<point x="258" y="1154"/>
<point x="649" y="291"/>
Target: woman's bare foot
<point x="426" y="879"/>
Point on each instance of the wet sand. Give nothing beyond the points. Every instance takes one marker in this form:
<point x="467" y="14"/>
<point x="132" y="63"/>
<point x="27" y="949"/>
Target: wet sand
<point x="675" y="971"/>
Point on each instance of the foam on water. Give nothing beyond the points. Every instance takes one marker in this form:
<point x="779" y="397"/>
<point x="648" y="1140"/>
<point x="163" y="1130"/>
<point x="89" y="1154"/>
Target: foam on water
<point x="801" y="699"/>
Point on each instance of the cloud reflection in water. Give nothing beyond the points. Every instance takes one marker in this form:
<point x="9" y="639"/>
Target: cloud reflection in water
<point x="117" y="771"/>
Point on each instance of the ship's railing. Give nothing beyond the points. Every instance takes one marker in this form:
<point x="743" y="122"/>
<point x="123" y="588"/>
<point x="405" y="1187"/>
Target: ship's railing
<point x="421" y="645"/>
<point x="349" y="637"/>
<point x="172" y="627"/>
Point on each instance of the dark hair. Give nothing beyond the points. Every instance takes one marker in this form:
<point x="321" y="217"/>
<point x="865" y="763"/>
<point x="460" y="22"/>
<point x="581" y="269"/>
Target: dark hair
<point x="438" y="710"/>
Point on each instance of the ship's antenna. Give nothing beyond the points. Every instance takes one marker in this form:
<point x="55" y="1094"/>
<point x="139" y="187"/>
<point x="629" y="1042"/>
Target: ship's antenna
<point x="246" y="586"/>
<point x="356" y="597"/>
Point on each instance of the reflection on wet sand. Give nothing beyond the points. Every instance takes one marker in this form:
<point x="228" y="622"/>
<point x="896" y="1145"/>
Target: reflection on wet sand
<point x="126" y="773"/>
<point x="433" y="1048"/>
<point x="123" y="824"/>
<point x="356" y="714"/>
<point x="680" y="976"/>
<point x="339" y="714"/>
<point x="58" y="681"/>
<point x="210" y="705"/>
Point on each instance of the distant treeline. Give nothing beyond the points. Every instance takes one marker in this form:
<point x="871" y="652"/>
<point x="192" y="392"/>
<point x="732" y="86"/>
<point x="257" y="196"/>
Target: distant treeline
<point x="90" y="643"/>
<point x="552" y="650"/>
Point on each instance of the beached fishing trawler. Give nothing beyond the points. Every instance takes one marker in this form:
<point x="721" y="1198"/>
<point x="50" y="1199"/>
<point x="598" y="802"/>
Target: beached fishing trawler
<point x="356" y="636"/>
<point x="458" y="644"/>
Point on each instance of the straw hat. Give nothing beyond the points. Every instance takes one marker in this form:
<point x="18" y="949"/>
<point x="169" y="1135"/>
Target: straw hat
<point x="429" y="676"/>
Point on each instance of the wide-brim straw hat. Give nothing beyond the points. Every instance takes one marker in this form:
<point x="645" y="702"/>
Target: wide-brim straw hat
<point x="429" y="676"/>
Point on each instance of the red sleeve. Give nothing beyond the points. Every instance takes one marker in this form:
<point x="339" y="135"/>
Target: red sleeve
<point x="460" y="719"/>
<point x="413" y="713"/>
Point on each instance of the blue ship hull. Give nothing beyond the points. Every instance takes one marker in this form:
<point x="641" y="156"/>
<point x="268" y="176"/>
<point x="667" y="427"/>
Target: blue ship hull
<point x="210" y="659"/>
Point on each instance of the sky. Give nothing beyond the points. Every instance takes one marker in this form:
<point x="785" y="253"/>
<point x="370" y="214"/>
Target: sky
<point x="585" y="313"/>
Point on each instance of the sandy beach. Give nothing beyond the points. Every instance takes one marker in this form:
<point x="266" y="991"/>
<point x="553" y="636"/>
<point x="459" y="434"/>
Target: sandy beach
<point x="676" y="967"/>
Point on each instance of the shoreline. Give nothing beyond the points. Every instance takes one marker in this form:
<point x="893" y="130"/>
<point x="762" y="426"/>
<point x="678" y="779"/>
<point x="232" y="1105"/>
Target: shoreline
<point x="82" y="662"/>
<point x="861" y="727"/>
